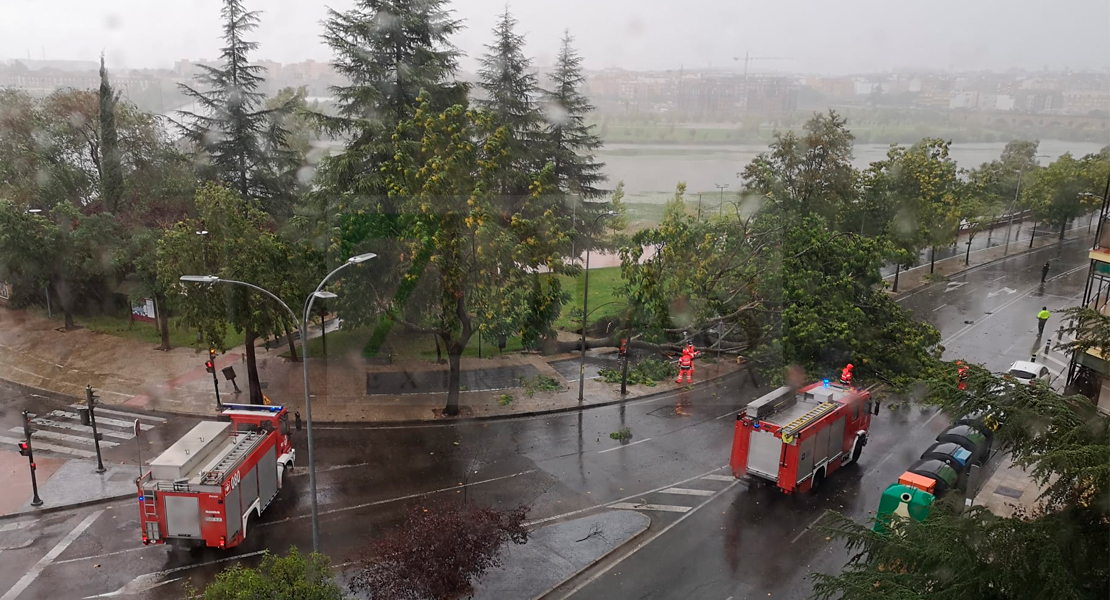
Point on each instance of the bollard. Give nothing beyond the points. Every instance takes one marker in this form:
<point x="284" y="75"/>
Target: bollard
<point x="1046" y="348"/>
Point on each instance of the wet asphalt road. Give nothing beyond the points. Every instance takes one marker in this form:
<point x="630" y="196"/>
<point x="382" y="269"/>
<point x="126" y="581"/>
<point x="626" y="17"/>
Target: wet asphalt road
<point x="714" y="539"/>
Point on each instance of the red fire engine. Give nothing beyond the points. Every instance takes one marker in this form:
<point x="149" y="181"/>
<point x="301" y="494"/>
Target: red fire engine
<point x="202" y="489"/>
<point x="797" y="438"/>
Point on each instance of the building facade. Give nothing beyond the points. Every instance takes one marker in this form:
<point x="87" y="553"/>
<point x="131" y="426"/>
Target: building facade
<point x="1089" y="372"/>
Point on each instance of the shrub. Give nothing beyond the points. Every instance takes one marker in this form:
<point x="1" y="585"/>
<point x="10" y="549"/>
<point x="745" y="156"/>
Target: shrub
<point x="540" y="383"/>
<point x="645" y="372"/>
<point x="294" y="576"/>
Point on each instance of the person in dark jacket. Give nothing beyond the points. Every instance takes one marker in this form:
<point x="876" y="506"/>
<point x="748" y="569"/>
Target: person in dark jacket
<point x="1044" y="272"/>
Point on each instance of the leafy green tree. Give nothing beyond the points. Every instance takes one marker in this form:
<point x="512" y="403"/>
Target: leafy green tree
<point x="61" y="249"/>
<point x="239" y="244"/>
<point x="1058" y="551"/>
<point x="293" y="576"/>
<point x="111" y="169"/>
<point x="238" y="139"/>
<point x="997" y="181"/>
<point x="811" y="173"/>
<point x="481" y="264"/>
<point x="21" y="156"/>
<point x="1065" y="189"/>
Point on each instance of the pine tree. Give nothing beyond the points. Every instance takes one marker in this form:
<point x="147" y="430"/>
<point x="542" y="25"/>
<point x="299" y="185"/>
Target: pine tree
<point x="512" y="96"/>
<point x="245" y="146"/>
<point x="111" y="168"/>
<point x="570" y="141"/>
<point x="390" y="50"/>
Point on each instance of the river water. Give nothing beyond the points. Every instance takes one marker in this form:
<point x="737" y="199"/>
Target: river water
<point x="650" y="171"/>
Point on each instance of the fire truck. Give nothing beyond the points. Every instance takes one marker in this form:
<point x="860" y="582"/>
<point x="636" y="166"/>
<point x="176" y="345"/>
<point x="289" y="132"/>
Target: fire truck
<point x="797" y="438"/>
<point x="203" y="489"/>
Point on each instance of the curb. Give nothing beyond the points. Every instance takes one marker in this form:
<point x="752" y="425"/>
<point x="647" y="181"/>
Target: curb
<point x="575" y="574"/>
<point x="415" y="422"/>
<point x="898" y="296"/>
<point x="62" y="507"/>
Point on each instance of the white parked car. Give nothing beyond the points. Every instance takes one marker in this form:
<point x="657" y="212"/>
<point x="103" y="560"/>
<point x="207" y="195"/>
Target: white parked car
<point x="1026" y="371"/>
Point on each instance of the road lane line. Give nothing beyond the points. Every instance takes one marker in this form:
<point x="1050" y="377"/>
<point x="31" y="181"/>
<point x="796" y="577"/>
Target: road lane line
<point x="705" y="475"/>
<point x="45" y="561"/>
<point x="106" y="554"/>
<point x="940" y="307"/>
<point x="1055" y="360"/>
<point x="120" y="413"/>
<point x="994" y="312"/>
<point x="687" y="491"/>
<point x="397" y="499"/>
<point x="17" y="525"/>
<point x="50" y="447"/>
<point x="647" y="541"/>
<point x="719" y="477"/>
<point x="659" y="507"/>
<point x="81" y="428"/>
<point x="808" y="527"/>
<point x="101" y="420"/>
<point x="146" y="582"/>
<point x="1066" y="273"/>
<point x="65" y="437"/>
<point x="624" y="446"/>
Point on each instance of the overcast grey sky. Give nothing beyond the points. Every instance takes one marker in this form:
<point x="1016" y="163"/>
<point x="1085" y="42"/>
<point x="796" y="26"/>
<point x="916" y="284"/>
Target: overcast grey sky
<point x="839" y="37"/>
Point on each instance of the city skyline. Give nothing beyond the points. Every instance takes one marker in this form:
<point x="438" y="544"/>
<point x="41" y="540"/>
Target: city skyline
<point x="861" y="36"/>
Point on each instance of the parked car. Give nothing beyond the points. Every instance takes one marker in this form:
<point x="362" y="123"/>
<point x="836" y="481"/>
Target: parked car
<point x="1026" y="371"/>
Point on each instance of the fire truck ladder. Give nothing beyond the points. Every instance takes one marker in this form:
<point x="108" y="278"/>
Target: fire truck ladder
<point x="814" y="414"/>
<point x="244" y="442"/>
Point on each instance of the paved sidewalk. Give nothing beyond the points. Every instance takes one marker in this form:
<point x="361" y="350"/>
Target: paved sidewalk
<point x="135" y="375"/>
<point x="917" y="277"/>
<point x="1008" y="490"/>
<point x="62" y="484"/>
<point x="557" y="552"/>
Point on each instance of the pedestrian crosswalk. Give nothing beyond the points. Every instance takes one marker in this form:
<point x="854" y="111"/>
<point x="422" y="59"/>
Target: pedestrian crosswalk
<point x="680" y="498"/>
<point x="61" y="432"/>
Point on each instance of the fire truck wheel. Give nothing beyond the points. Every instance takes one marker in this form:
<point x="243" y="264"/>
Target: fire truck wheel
<point x="858" y="450"/>
<point x="818" y="478"/>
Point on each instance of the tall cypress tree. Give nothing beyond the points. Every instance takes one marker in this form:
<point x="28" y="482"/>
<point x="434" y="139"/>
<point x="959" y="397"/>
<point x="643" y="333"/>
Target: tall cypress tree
<point x="245" y="146"/>
<point x="512" y="97"/>
<point x="111" y="168"/>
<point x="571" y="143"/>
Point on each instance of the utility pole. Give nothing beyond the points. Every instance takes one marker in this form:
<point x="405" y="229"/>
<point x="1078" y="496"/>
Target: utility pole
<point x="90" y="398"/>
<point x="25" y="450"/>
<point x="721" y="206"/>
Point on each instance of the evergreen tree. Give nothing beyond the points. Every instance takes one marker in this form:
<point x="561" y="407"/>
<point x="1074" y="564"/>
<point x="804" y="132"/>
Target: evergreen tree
<point x="570" y="141"/>
<point x="111" y="168"/>
<point x="512" y="97"/>
<point x="245" y="147"/>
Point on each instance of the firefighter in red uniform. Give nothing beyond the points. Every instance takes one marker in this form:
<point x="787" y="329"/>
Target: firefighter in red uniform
<point x="686" y="364"/>
<point x="846" y="375"/>
<point x="961" y="375"/>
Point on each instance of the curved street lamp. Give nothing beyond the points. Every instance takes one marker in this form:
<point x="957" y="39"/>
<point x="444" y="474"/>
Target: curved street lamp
<point x="354" y="260"/>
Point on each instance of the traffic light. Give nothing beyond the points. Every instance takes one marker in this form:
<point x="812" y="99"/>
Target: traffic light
<point x="624" y="347"/>
<point x="90" y="397"/>
<point x="210" y="364"/>
<point x="24" y="449"/>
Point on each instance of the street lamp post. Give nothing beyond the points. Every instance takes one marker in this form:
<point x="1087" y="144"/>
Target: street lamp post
<point x="1013" y="204"/>
<point x="585" y="301"/>
<point x="303" y="334"/>
<point x="720" y="207"/>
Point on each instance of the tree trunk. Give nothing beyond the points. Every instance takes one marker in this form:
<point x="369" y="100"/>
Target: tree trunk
<point x="439" y="353"/>
<point x="454" y="357"/>
<point x="289" y="337"/>
<point x="897" y="270"/>
<point x="1063" y="228"/>
<point x="66" y="299"/>
<point x="162" y="313"/>
<point x="932" y="258"/>
<point x="252" y="367"/>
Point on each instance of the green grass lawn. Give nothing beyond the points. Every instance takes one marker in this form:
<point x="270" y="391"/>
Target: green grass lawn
<point x="605" y="299"/>
<point x="119" y="324"/>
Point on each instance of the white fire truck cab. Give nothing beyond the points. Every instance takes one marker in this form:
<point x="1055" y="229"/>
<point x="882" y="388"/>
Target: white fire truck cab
<point x="203" y="489"/>
<point x="797" y="438"/>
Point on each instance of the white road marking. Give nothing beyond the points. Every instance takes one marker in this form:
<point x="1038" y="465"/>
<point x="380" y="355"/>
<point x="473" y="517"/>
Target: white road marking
<point x="623" y="446"/>
<point x="81" y="428"/>
<point x="65" y="437"/>
<point x="705" y="475"/>
<point x="120" y="413"/>
<point x="688" y="491"/>
<point x="127" y="551"/>
<point x="660" y="507"/>
<point x="1056" y="360"/>
<point x="45" y="561"/>
<point x="50" y="447"/>
<point x="101" y="420"/>
<point x="16" y="525"/>
<point x="1066" y="273"/>
<point x="397" y="499"/>
<point x="1005" y="290"/>
<point x="299" y="471"/>
<point x="647" y="541"/>
<point x="807" y="528"/>
<point x="1004" y="306"/>
<point x="719" y="477"/>
<point x="940" y="307"/>
<point x="146" y="582"/>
